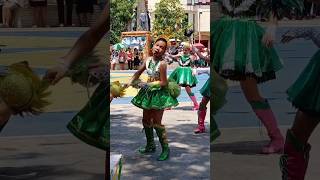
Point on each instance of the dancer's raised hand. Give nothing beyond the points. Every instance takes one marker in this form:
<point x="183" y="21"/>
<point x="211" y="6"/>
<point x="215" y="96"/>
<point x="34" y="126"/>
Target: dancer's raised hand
<point x="56" y="73"/>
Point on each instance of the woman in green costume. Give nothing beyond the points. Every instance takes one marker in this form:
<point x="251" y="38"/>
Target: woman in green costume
<point x="304" y="94"/>
<point x="243" y="51"/>
<point x="90" y="124"/>
<point x="153" y="97"/>
<point x="183" y="74"/>
<point x="219" y="87"/>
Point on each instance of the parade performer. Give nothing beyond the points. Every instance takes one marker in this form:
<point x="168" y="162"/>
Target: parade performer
<point x="242" y="51"/>
<point x="304" y="94"/>
<point x="155" y="96"/>
<point x="91" y="123"/>
<point x="220" y="88"/>
<point x="184" y="74"/>
<point x="205" y="92"/>
<point x="22" y="92"/>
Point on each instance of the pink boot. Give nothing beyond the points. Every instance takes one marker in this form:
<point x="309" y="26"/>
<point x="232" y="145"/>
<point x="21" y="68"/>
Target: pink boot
<point x="267" y="117"/>
<point x="195" y="103"/>
<point x="201" y="117"/>
<point x="294" y="161"/>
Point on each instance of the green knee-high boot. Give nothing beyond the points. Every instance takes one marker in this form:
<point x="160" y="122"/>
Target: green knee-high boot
<point x="150" y="146"/>
<point x="161" y="132"/>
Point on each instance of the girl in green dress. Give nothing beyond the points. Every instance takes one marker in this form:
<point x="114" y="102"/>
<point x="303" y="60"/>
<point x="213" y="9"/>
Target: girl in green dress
<point x="91" y="123"/>
<point x="219" y="88"/>
<point x="153" y="98"/>
<point x="304" y="94"/>
<point x="184" y="75"/>
<point x="243" y="51"/>
<point x="205" y="92"/>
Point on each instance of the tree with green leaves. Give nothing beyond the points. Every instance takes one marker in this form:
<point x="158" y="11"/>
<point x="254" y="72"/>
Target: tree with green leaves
<point x="170" y="20"/>
<point x="121" y="12"/>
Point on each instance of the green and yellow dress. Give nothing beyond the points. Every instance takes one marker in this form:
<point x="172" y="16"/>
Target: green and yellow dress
<point x="154" y="97"/>
<point x="91" y="123"/>
<point x="182" y="75"/>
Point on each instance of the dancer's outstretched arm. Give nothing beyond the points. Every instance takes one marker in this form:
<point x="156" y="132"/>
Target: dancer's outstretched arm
<point x="308" y="33"/>
<point x="176" y="57"/>
<point x="83" y="46"/>
<point x="137" y="74"/>
<point x="206" y="58"/>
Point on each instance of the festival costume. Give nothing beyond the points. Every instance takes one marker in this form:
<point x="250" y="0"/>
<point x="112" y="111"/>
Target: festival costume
<point x="238" y="49"/>
<point x="239" y="52"/>
<point x="304" y="94"/>
<point x="91" y="123"/>
<point x="22" y="90"/>
<point x="183" y="73"/>
<point x="219" y="88"/>
<point x="205" y="92"/>
<point x="184" y="77"/>
<point x="153" y="96"/>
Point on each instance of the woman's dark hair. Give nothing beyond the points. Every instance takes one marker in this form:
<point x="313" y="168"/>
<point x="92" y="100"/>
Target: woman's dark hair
<point x="161" y="39"/>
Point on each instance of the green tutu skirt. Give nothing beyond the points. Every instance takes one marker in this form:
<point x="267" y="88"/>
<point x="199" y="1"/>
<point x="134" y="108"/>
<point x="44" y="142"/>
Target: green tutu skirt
<point x="159" y="99"/>
<point x="205" y="90"/>
<point x="91" y="124"/>
<point x="305" y="91"/>
<point x="239" y="51"/>
<point x="183" y="76"/>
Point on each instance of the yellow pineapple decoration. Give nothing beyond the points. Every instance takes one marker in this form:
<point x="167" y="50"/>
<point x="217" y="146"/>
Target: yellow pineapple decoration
<point x="22" y="90"/>
<point x="116" y="89"/>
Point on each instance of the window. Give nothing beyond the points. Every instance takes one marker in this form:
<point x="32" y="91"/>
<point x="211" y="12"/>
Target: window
<point x="186" y="18"/>
<point x="198" y="2"/>
<point x="189" y="2"/>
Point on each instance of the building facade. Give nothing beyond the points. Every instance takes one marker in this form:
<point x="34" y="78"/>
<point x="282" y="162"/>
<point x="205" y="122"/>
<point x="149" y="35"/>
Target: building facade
<point x="197" y="12"/>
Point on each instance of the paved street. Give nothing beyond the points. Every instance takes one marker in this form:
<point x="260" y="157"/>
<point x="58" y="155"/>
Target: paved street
<point x="190" y="157"/>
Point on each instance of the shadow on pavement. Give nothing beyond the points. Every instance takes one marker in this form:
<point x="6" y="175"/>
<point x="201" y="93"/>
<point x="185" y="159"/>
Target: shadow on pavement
<point x="240" y="148"/>
<point x="42" y="172"/>
<point x="189" y="155"/>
